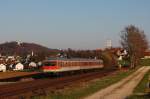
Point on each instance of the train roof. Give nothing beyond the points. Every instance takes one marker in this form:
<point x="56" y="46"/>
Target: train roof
<point x="72" y="59"/>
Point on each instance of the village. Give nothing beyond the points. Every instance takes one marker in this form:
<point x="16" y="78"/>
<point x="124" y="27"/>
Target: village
<point x="11" y="63"/>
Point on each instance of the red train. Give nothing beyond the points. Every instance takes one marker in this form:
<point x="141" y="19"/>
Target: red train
<point x="64" y="65"/>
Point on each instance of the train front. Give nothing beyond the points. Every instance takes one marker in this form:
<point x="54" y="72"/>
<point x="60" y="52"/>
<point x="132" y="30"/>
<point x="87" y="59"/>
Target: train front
<point x="50" y="66"/>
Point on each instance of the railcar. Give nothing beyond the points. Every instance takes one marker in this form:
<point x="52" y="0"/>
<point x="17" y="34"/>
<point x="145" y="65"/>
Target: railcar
<point x="64" y="65"/>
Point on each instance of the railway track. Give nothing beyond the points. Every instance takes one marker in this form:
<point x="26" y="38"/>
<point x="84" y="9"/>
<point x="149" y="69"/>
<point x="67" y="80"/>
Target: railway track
<point x="25" y="90"/>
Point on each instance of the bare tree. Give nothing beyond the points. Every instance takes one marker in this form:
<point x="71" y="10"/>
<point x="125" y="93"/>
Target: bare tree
<point x="134" y="41"/>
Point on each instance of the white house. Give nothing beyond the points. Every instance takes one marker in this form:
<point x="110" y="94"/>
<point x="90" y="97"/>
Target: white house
<point x="33" y="64"/>
<point x="19" y="66"/>
<point x="2" y="68"/>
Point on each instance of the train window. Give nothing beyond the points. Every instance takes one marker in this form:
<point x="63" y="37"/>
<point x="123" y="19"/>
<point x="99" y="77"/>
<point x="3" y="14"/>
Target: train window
<point x="71" y="63"/>
<point x="83" y="63"/>
<point x="65" y="63"/>
<point x="68" y="63"/>
<point x="61" y="64"/>
<point x="49" y="64"/>
<point x="75" y="63"/>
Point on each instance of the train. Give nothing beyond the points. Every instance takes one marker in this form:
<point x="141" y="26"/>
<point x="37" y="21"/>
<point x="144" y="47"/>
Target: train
<point x="57" y="65"/>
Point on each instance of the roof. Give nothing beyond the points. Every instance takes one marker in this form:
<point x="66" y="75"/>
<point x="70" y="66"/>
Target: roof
<point x="71" y="59"/>
<point x="147" y="53"/>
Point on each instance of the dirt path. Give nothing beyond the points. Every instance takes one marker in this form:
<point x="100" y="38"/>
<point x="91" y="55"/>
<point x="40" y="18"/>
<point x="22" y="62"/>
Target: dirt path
<point x="123" y="88"/>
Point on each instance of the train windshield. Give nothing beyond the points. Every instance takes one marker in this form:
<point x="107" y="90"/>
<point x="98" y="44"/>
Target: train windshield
<point x="49" y="63"/>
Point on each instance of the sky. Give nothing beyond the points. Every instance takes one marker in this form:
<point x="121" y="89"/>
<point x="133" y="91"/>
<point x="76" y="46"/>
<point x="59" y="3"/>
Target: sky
<point x="76" y="24"/>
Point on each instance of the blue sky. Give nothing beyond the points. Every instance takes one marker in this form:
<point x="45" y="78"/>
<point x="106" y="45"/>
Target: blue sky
<point x="78" y="24"/>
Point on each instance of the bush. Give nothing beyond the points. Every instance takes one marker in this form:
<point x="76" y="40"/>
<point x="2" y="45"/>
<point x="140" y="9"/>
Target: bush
<point x="124" y="63"/>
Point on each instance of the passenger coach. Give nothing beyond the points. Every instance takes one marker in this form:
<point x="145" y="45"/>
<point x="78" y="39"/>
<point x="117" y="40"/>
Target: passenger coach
<point x="64" y="65"/>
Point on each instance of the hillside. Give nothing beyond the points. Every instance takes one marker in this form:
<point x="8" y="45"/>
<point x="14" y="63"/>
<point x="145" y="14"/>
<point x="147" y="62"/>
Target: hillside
<point x="22" y="49"/>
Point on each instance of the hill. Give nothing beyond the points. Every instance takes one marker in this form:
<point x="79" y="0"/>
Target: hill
<point x="23" y="49"/>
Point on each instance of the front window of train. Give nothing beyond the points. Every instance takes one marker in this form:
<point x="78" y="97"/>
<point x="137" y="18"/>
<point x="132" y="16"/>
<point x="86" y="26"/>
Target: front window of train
<point x="49" y="64"/>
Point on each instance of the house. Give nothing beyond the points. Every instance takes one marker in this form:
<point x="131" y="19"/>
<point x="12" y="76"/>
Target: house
<point x="147" y="54"/>
<point x="19" y="66"/>
<point x="2" y="68"/>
